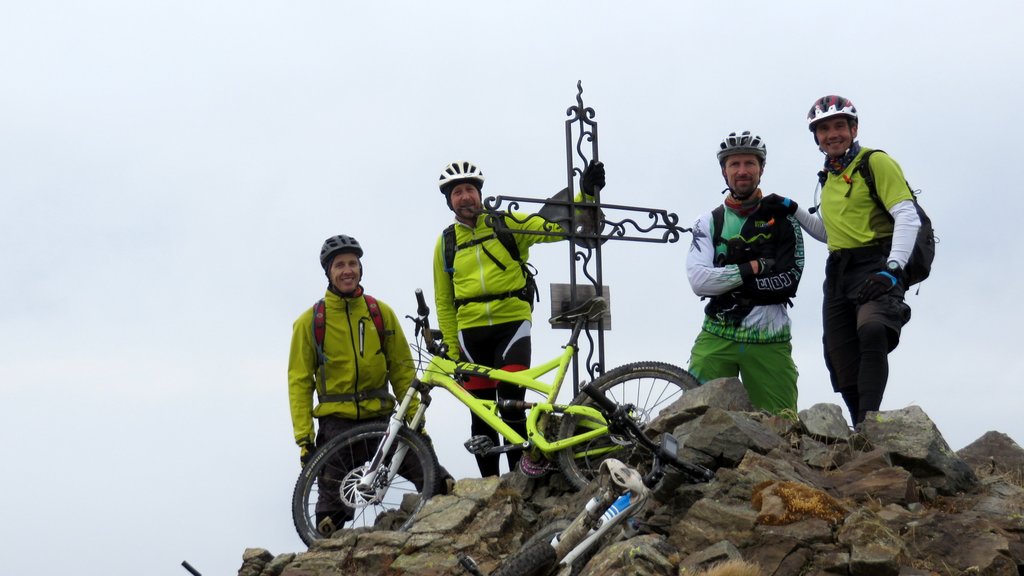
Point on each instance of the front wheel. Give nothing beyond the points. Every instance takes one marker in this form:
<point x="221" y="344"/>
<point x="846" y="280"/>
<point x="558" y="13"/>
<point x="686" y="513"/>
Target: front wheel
<point x="331" y="492"/>
<point x="649" y="387"/>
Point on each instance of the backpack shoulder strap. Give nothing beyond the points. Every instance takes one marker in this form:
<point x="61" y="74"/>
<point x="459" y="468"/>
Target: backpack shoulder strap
<point x="501" y="232"/>
<point x="864" y="167"/>
<point x="319" y="327"/>
<point x="375" y="315"/>
<point x="717" y="221"/>
<point x="506" y="238"/>
<point x="448" y="247"/>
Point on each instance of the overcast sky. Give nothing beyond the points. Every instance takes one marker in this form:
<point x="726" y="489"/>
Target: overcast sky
<point x="168" y="171"/>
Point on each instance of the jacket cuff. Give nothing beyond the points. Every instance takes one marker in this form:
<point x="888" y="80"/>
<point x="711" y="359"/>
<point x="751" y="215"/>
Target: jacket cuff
<point x="746" y="270"/>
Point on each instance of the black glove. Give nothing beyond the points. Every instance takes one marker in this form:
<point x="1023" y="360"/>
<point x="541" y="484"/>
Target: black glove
<point x="765" y="266"/>
<point x="592" y="178"/>
<point x="780" y="203"/>
<point x="875" y="286"/>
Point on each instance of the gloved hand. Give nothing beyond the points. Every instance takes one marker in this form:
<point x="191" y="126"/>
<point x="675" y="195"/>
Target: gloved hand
<point x="592" y="178"/>
<point x="765" y="266"/>
<point x="305" y="453"/>
<point x="779" y="202"/>
<point x="875" y="286"/>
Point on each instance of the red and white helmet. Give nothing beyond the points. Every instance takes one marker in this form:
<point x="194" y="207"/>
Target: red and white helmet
<point x="828" y="106"/>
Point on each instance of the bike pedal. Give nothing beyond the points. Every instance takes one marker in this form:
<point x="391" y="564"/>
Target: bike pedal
<point x="479" y="445"/>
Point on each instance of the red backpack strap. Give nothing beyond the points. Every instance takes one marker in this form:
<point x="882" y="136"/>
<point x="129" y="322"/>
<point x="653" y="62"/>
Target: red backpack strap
<point x="375" y="315"/>
<point x="319" y="326"/>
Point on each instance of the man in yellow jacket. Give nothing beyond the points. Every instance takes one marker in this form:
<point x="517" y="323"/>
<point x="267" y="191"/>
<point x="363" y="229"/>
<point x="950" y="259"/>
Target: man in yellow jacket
<point x="361" y="349"/>
<point x="484" y="295"/>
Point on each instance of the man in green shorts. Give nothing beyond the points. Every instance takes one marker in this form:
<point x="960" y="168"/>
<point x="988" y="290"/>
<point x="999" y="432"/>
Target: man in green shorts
<point x="746" y="259"/>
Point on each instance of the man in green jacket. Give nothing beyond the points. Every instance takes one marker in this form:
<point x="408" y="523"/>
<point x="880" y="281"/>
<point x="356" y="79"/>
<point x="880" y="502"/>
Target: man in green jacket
<point x="483" y="296"/>
<point x="864" y="309"/>
<point x="350" y="370"/>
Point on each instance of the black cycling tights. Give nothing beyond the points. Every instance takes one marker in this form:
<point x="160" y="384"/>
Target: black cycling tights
<point x="516" y="419"/>
<point x="872" y="372"/>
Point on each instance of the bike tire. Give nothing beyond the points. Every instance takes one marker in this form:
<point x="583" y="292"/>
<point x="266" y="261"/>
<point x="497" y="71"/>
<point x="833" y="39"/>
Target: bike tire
<point x="337" y="464"/>
<point x="650" y="387"/>
<point x="542" y="566"/>
<point x="535" y="558"/>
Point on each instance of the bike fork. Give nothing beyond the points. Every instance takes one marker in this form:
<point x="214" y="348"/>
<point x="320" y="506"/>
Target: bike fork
<point x="367" y="483"/>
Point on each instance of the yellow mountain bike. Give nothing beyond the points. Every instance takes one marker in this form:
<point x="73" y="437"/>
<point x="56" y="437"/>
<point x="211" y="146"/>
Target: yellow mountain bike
<point x="382" y="473"/>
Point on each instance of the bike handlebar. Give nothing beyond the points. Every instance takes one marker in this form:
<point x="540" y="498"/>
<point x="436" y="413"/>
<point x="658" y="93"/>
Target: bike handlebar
<point x="618" y="417"/>
<point x="422" y="310"/>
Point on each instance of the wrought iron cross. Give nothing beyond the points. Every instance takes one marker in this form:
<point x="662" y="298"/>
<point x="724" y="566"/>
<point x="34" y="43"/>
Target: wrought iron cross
<point x="589" y="225"/>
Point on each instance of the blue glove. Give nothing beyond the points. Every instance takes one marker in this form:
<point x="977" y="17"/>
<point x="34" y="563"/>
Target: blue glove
<point x="876" y="286"/>
<point x="780" y="203"/>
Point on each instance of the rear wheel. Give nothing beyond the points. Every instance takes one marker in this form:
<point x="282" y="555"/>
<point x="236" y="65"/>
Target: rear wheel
<point x="329" y="485"/>
<point x="649" y="387"/>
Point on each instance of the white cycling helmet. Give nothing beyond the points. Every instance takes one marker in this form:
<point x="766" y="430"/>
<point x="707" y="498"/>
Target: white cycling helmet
<point x="828" y="106"/>
<point x="457" y="173"/>
<point x="742" y="143"/>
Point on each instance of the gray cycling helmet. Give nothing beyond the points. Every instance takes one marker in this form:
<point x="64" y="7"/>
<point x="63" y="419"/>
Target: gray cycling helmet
<point x="338" y="245"/>
<point x="742" y="143"/>
<point x="458" y="172"/>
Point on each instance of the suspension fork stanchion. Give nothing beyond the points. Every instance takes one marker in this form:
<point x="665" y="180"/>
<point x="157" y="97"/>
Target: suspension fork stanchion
<point x="416" y="424"/>
<point x="366" y="482"/>
<point x="617" y="480"/>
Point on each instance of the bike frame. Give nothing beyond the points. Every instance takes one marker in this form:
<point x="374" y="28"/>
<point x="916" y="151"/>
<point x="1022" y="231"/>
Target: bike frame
<point x="441" y="372"/>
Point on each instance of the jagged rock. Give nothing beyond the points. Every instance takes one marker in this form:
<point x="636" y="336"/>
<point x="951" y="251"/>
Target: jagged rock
<point x="914" y="443"/>
<point x="915" y="508"/>
<point x="722" y="393"/>
<point x="871" y="477"/>
<point x="709" y="521"/>
<point x="726" y="436"/>
<point x="640" y="556"/>
<point x="962" y="541"/>
<point x="713" y="554"/>
<point x="254" y="561"/>
<point x="994" y="453"/>
<point x="825" y="422"/>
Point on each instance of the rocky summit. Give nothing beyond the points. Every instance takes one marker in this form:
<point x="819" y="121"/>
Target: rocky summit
<point x="795" y="496"/>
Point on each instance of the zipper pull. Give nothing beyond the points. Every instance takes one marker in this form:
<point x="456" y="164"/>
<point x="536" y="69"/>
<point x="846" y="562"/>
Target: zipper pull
<point x="362" y="336"/>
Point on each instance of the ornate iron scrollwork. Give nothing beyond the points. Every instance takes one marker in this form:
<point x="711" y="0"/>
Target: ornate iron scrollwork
<point x="587" y="224"/>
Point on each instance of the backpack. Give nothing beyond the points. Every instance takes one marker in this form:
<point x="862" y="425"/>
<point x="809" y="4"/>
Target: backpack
<point x="736" y="249"/>
<point x="529" y="292"/>
<point x="919" y="265"/>
<point x="320" y="324"/>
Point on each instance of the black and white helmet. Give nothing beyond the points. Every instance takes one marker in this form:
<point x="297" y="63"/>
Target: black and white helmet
<point x="457" y="173"/>
<point x="337" y="245"/>
<point x="742" y="143"/>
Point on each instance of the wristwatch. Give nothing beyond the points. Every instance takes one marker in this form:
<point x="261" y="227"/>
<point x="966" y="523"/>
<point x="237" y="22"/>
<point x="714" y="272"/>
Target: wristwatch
<point x="894" y="268"/>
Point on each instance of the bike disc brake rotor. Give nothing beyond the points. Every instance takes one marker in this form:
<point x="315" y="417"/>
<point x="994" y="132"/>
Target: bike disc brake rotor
<point x="356" y="496"/>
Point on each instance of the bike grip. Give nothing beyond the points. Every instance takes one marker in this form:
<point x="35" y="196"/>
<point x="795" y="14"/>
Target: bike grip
<point x="599" y="398"/>
<point x="422" y="308"/>
<point x="697" y="472"/>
